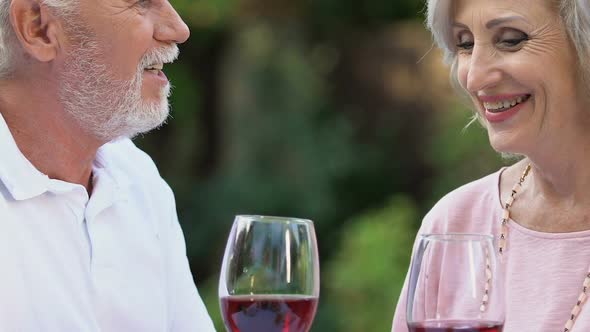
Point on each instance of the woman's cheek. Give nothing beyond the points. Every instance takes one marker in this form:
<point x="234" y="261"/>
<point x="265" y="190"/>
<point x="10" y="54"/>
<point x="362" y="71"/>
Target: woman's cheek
<point x="462" y="75"/>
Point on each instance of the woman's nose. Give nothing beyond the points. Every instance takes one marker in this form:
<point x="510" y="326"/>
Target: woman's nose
<point x="483" y="71"/>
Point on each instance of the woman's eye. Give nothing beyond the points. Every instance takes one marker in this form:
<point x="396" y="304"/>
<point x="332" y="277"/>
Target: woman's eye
<point x="512" y="38"/>
<point x="464" y="42"/>
<point x="465" y="45"/>
<point x="512" y="42"/>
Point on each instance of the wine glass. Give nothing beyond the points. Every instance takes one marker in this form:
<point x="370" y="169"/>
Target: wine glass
<point x="455" y="285"/>
<point x="270" y="275"/>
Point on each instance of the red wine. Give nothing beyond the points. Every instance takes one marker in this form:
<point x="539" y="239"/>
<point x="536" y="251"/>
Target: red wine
<point x="268" y="313"/>
<point x="456" y="326"/>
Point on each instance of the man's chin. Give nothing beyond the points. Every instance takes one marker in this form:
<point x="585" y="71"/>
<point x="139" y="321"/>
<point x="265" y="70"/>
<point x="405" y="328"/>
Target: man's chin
<point x="137" y="122"/>
<point x="156" y="97"/>
<point x="135" y="129"/>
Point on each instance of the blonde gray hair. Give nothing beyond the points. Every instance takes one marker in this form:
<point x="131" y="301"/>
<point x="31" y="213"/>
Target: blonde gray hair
<point x="9" y="47"/>
<point x="575" y="15"/>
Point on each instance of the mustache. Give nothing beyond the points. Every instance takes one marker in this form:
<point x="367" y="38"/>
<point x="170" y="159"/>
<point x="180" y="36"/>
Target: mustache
<point x="164" y="54"/>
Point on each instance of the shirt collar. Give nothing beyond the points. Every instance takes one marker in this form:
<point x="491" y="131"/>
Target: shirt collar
<point x="111" y="184"/>
<point x="24" y="181"/>
<point x="104" y="161"/>
<point x="20" y="177"/>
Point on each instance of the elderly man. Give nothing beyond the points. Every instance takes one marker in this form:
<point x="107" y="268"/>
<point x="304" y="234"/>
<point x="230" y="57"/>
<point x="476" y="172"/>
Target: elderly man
<point x="89" y="237"/>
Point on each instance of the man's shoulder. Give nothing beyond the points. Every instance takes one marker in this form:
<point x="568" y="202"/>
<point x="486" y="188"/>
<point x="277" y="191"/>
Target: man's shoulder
<point x="124" y="157"/>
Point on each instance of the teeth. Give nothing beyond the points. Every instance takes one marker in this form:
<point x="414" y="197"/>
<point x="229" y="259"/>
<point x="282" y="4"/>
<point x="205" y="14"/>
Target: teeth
<point x="500" y="105"/>
<point x="159" y="66"/>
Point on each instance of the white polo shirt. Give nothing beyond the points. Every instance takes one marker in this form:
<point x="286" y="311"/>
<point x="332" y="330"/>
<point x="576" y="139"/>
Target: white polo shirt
<point x="114" y="262"/>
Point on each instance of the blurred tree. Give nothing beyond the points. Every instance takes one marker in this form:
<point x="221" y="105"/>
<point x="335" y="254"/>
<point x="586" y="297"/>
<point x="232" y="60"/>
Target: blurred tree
<point x="339" y="15"/>
<point x="461" y="154"/>
<point x="320" y="109"/>
<point x="366" y="274"/>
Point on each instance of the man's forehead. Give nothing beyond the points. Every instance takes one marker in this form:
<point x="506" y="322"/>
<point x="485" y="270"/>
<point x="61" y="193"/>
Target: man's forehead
<point x="116" y="3"/>
<point x="108" y="7"/>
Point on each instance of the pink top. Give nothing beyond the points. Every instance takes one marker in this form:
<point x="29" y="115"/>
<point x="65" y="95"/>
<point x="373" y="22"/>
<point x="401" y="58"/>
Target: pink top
<point x="544" y="271"/>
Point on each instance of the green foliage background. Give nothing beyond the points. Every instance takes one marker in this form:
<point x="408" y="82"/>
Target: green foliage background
<point x="333" y="110"/>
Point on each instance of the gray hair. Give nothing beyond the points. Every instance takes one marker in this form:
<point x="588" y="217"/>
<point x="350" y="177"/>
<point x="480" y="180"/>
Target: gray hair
<point x="575" y="15"/>
<point x="9" y="47"/>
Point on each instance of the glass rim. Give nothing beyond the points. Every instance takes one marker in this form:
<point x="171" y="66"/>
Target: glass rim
<point x="456" y="237"/>
<point x="272" y="219"/>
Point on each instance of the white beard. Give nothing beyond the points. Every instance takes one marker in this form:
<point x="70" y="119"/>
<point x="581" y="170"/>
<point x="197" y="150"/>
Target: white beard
<point x="106" y="107"/>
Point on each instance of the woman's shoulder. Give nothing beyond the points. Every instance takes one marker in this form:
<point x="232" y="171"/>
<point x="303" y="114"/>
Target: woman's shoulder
<point x="483" y="190"/>
<point x="466" y="208"/>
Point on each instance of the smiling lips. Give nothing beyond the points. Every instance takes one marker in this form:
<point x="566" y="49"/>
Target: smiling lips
<point x="502" y="107"/>
<point x="155" y="69"/>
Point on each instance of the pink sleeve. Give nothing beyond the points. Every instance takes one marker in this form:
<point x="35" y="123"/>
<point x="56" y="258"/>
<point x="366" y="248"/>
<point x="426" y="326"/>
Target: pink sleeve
<point x="399" y="318"/>
<point x="464" y="210"/>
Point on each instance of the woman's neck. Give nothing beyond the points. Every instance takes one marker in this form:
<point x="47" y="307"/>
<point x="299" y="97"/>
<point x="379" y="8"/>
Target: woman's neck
<point x="555" y="196"/>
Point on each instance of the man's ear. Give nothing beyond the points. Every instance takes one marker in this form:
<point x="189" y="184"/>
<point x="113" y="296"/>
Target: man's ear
<point x="36" y="28"/>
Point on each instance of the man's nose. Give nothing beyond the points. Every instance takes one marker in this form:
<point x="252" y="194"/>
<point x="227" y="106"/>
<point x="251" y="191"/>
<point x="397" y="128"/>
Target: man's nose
<point x="171" y="29"/>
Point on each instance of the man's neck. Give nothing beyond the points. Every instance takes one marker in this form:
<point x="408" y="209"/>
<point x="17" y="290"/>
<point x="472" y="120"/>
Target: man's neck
<point x="46" y="136"/>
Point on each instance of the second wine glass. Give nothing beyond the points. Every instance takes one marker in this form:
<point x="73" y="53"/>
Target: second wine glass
<point x="455" y="285"/>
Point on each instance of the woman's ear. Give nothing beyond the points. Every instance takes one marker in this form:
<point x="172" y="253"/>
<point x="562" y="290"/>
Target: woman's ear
<point x="36" y="28"/>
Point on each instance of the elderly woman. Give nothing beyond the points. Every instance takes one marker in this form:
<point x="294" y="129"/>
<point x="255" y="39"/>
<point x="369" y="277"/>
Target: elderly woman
<point x="525" y="65"/>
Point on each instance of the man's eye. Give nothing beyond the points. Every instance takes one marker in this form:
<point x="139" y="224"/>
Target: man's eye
<point x="143" y="3"/>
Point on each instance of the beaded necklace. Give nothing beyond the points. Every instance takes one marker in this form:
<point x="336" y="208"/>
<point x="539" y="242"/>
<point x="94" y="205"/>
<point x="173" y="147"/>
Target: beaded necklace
<point x="502" y="248"/>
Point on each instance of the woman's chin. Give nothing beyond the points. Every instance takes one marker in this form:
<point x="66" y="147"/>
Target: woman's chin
<point x="506" y="144"/>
